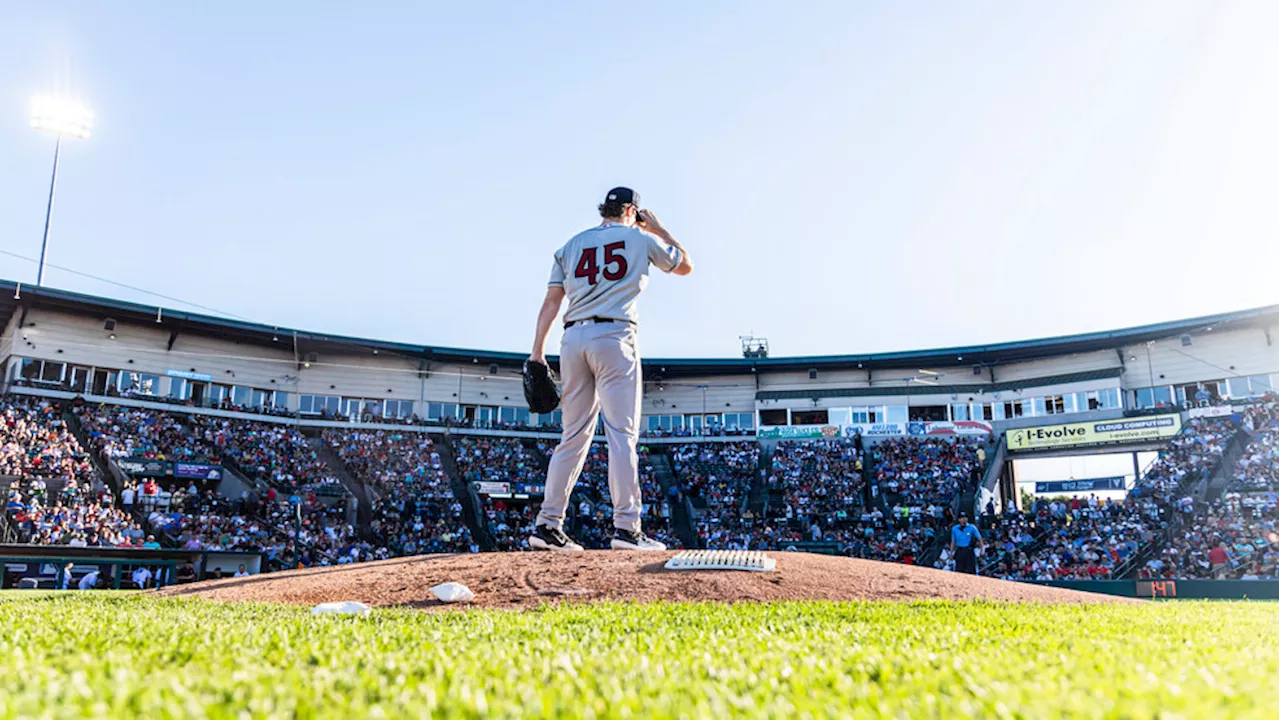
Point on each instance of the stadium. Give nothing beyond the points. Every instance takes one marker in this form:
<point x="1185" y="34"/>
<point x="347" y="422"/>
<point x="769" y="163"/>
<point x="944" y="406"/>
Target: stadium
<point x="904" y="361"/>
<point x="202" y="459"/>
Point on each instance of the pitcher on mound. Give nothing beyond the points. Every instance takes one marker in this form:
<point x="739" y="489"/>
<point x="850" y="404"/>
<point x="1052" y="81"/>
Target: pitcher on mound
<point x="602" y="271"/>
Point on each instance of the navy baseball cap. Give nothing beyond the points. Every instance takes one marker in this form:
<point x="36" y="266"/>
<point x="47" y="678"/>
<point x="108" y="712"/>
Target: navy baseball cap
<point x="623" y="196"/>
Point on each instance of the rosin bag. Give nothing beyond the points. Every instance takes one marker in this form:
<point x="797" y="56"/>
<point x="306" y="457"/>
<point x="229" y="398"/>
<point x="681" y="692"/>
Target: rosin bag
<point x="348" y="607"/>
<point x="452" y="592"/>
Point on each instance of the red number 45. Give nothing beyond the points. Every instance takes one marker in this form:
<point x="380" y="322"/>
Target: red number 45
<point x="588" y="268"/>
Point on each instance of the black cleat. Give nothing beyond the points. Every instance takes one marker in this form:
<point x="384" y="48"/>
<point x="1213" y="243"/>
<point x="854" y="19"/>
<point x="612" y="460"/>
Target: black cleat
<point x="545" y="537"/>
<point x="632" y="540"/>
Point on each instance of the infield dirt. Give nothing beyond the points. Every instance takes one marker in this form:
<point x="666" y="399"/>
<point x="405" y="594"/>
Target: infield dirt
<point x="526" y="580"/>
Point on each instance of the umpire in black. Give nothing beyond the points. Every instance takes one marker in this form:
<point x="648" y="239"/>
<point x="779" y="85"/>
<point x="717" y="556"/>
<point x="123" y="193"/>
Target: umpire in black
<point x="963" y="538"/>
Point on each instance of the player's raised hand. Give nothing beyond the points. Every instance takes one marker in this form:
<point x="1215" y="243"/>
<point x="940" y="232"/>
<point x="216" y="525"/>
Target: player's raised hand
<point x="648" y="220"/>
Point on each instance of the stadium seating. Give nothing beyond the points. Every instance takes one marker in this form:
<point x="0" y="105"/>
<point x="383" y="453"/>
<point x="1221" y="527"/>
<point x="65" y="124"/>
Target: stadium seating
<point x="816" y="493"/>
<point x="1237" y="536"/>
<point x="1258" y="469"/>
<point x="716" y="477"/>
<point x="414" y="508"/>
<point x="271" y="452"/>
<point x="509" y="460"/>
<point x="819" y="480"/>
<point x="923" y="471"/>
<point x="1081" y="539"/>
<point x="1190" y="456"/>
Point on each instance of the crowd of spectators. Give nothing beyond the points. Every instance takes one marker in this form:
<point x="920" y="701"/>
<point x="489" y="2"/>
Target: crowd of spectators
<point x="929" y="470"/>
<point x="1234" y="539"/>
<point x="817" y="490"/>
<point x="35" y="442"/>
<point x="275" y="453"/>
<point x="414" y="508"/>
<point x="819" y="480"/>
<point x="711" y="430"/>
<point x="1258" y="469"/>
<point x="1237" y="536"/>
<point x="1089" y="538"/>
<point x="716" y="478"/>
<point x="1190" y="456"/>
<point x="1075" y="539"/>
<point x="54" y="495"/>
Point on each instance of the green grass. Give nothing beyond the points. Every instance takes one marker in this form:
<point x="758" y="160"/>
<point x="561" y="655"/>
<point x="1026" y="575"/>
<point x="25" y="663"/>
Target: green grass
<point x="74" y="655"/>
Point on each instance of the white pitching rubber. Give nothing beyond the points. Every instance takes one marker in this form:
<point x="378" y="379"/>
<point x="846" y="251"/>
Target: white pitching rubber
<point x="748" y="560"/>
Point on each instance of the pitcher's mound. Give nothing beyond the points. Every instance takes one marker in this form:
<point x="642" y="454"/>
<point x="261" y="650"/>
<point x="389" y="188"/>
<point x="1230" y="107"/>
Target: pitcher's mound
<point x="525" y="580"/>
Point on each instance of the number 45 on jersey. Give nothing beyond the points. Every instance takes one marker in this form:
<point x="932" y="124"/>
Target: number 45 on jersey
<point x="615" y="264"/>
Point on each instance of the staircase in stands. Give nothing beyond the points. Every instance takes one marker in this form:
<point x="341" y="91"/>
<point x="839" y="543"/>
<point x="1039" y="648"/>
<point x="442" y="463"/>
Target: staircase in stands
<point x="759" y="496"/>
<point x="462" y="490"/>
<point x="681" y="516"/>
<point x="364" y="495"/>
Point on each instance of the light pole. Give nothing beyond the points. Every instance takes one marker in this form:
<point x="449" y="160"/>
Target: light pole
<point x="64" y="118"/>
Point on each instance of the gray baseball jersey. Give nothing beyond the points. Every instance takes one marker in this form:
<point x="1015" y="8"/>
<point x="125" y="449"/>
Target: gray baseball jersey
<point x="604" y="269"/>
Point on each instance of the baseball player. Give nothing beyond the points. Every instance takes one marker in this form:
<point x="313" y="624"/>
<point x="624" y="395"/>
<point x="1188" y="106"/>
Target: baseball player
<point x="602" y="271"/>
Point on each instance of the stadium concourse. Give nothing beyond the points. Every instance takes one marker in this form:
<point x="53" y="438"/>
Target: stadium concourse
<point x="128" y="426"/>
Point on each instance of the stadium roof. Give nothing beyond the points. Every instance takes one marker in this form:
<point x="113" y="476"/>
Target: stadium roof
<point x="18" y="298"/>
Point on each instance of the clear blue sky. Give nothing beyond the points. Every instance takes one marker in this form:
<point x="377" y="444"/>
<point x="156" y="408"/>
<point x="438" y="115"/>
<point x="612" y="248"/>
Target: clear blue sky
<point x="850" y="176"/>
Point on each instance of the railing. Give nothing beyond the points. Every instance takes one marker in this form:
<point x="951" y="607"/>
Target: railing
<point x="8" y="534"/>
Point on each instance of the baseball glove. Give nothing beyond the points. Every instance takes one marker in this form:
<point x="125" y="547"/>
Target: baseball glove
<point x="540" y="387"/>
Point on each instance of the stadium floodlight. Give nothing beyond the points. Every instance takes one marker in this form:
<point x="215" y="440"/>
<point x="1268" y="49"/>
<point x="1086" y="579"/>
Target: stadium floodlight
<point x="63" y="117"/>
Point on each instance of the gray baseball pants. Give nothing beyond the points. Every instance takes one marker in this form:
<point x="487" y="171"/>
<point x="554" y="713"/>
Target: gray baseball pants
<point x="600" y="371"/>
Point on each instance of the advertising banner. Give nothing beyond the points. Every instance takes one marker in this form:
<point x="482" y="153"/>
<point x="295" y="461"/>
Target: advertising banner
<point x="143" y="467"/>
<point x="1075" y="486"/>
<point x="811" y="432"/>
<point x="197" y="471"/>
<point x="959" y="427"/>
<point x="1151" y="427"/>
<point x="1215" y="411"/>
<point x="530" y="489"/>
<point x="798" y="432"/>
<point x="875" y="429"/>
<point x="201" y="377"/>
<point x="491" y="488"/>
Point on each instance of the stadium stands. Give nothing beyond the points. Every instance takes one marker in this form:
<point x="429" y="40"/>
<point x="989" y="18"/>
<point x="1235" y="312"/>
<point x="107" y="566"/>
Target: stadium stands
<point x="820" y="480"/>
<point x="271" y="452"/>
<point x="414" y="507"/>
<point x="716" y="478"/>
<point x="816" y="493"/>
<point x="1190" y="456"/>
<point x="1235" y="536"/>
<point x="1080" y="539"/>
<point x="1258" y="469"/>
<point x="504" y="460"/>
<point x="923" y="471"/>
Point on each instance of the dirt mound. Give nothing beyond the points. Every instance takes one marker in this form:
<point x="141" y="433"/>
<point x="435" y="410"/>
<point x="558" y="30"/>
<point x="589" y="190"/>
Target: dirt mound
<point x="525" y="580"/>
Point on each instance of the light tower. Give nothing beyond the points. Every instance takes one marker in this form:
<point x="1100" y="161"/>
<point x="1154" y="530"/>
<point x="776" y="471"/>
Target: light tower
<point x="63" y="117"/>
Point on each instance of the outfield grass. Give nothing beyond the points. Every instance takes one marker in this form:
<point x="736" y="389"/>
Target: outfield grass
<point x="75" y="655"/>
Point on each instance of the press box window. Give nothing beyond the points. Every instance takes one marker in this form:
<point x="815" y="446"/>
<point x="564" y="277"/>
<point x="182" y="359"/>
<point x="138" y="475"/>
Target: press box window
<point x="808" y="417"/>
<point x="773" y="417"/>
<point x="927" y="413"/>
<point x="139" y="383"/>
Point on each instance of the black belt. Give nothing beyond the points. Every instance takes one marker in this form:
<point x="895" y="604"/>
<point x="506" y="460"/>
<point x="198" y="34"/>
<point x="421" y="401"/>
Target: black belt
<point x="594" y="320"/>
